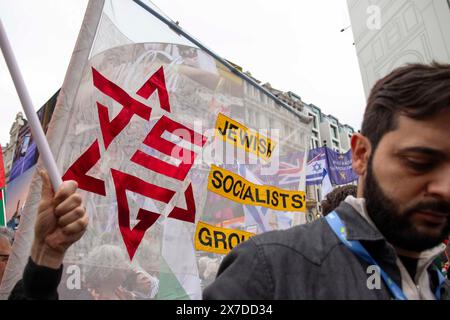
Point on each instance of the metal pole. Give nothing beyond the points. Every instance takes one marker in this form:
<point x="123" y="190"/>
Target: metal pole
<point x="243" y="76"/>
<point x="24" y="96"/>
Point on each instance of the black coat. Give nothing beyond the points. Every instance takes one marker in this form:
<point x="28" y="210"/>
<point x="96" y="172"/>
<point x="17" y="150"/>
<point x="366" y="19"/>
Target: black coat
<point x="308" y="262"/>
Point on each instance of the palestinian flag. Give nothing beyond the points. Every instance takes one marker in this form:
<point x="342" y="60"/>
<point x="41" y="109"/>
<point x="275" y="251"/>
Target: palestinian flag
<point x="2" y="193"/>
<point x="2" y="208"/>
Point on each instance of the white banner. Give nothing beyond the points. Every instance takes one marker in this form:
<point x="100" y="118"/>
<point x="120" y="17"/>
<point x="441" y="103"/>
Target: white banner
<point x="135" y="126"/>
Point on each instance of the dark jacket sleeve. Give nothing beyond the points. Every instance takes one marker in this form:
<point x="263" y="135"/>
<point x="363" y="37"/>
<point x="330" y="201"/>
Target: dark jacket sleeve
<point x="242" y="275"/>
<point x="445" y="292"/>
<point x="37" y="283"/>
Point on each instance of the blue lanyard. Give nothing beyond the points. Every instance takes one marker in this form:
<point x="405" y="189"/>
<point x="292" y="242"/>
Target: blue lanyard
<point x="356" y="247"/>
<point x="441" y="283"/>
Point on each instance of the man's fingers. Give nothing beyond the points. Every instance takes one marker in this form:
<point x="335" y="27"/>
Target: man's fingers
<point x="66" y="189"/>
<point x="75" y="214"/>
<point x="77" y="227"/>
<point x="47" y="192"/>
<point x="68" y="205"/>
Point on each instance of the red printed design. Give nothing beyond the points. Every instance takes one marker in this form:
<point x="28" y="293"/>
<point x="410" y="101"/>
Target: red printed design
<point x="156" y="82"/>
<point x="124" y="182"/>
<point x="187" y="214"/>
<point x="81" y="166"/>
<point x="155" y="141"/>
<point x="110" y="129"/>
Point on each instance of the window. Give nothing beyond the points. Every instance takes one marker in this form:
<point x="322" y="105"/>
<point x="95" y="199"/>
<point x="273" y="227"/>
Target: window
<point x="334" y="131"/>
<point x="315" y="126"/>
<point x="336" y="145"/>
<point x="25" y="144"/>
<point x="317" y="143"/>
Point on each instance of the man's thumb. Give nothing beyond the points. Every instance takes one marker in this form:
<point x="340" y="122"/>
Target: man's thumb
<point x="47" y="189"/>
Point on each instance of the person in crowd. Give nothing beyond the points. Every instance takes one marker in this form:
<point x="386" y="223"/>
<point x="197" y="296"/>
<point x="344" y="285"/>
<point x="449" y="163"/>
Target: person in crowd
<point x="6" y="241"/>
<point x="141" y="284"/>
<point x="335" y="197"/>
<point x="13" y="223"/>
<point x="396" y="224"/>
<point x="106" y="269"/>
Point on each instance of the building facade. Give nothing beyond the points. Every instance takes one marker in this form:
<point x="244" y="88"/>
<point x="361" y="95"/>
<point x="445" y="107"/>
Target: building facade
<point x="408" y="31"/>
<point x="10" y="149"/>
<point x="326" y="130"/>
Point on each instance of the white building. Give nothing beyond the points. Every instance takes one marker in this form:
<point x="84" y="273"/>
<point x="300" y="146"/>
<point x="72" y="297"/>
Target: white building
<point x="409" y="31"/>
<point x="10" y="149"/>
<point x="326" y="131"/>
<point x="345" y="136"/>
<point x="329" y="130"/>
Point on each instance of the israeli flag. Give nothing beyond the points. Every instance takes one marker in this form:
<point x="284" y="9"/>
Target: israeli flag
<point x="316" y="167"/>
<point x="327" y="187"/>
<point x="254" y="216"/>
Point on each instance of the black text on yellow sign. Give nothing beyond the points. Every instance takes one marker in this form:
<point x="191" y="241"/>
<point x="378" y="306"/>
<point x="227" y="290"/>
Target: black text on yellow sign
<point x="239" y="135"/>
<point x="238" y="189"/>
<point x="218" y="240"/>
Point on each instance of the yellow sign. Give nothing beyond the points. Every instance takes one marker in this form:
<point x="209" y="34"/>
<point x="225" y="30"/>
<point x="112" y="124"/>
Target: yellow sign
<point x="239" y="135"/>
<point x="218" y="240"/>
<point x="234" y="187"/>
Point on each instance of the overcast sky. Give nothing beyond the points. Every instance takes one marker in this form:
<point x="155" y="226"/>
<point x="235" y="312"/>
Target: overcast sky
<point x="295" y="45"/>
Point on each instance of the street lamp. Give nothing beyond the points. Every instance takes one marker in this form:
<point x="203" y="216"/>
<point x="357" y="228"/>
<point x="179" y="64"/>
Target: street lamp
<point x="342" y="30"/>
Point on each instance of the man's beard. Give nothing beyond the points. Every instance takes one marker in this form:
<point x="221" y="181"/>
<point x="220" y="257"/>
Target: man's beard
<point x="397" y="227"/>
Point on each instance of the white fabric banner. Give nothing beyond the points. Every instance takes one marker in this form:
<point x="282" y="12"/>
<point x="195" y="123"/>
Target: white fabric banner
<point x="134" y="126"/>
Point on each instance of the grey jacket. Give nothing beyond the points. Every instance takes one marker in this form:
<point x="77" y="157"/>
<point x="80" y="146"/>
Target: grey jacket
<point x="309" y="262"/>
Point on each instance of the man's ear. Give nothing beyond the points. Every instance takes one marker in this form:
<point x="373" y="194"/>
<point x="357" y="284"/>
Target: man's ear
<point x="361" y="150"/>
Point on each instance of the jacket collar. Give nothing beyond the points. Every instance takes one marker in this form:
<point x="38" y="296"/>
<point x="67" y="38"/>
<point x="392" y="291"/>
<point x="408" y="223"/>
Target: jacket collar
<point x="357" y="222"/>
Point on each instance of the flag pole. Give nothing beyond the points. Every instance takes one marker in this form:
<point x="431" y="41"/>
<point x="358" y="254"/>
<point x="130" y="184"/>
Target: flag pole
<point x="24" y="96"/>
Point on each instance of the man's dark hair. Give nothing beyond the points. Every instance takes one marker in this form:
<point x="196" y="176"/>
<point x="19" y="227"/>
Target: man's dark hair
<point x="335" y="197"/>
<point x="417" y="91"/>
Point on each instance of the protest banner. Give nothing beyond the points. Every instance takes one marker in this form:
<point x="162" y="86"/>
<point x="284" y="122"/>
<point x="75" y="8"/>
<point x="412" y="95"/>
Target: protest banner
<point x="134" y="126"/>
<point x="218" y="240"/>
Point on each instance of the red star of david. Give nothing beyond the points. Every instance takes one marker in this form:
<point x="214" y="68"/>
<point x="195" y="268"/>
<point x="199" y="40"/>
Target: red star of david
<point x="122" y="181"/>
